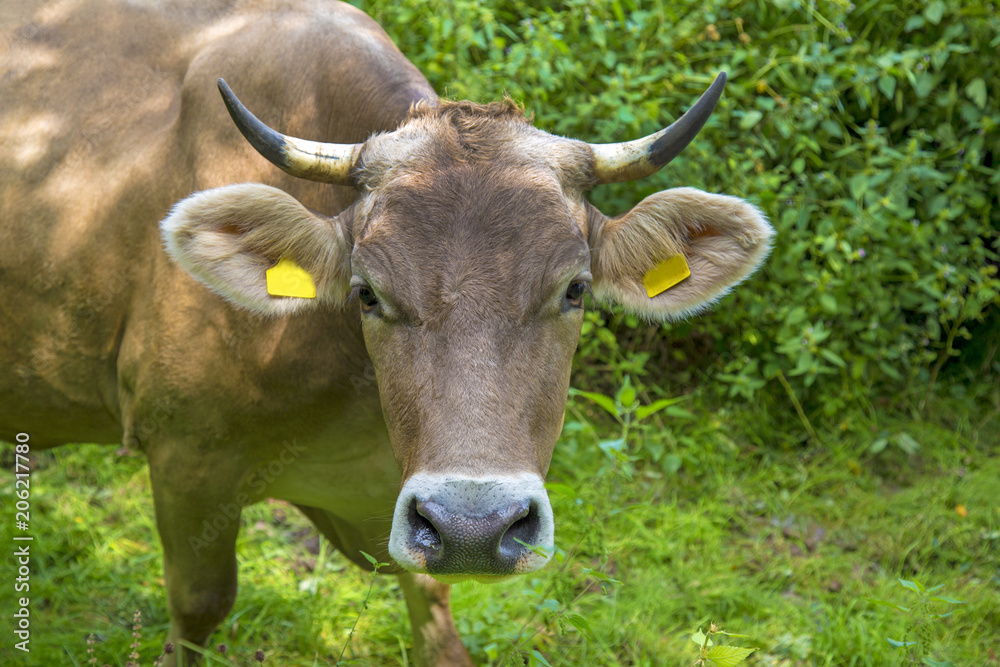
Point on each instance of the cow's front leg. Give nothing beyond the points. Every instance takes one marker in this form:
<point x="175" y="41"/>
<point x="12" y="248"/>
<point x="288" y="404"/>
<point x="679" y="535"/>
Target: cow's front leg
<point x="198" y="518"/>
<point x="436" y="642"/>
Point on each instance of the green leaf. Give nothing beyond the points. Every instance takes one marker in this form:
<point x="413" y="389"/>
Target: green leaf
<point x="626" y="395"/>
<point x="656" y="406"/>
<point x="538" y="656"/>
<point x="679" y="413"/>
<point x="616" y="6"/>
<point x="878" y="445"/>
<point x="906" y="442"/>
<point x="887" y="85"/>
<point x="976" y="90"/>
<point x="580" y="623"/>
<point x="371" y="559"/>
<point x="923" y="84"/>
<point x="886" y="603"/>
<point x="605" y="402"/>
<point x="914" y="586"/>
<point x="914" y="23"/>
<point x="561" y="489"/>
<point x="828" y="303"/>
<point x="699" y="638"/>
<point x="942" y="598"/>
<point x="730" y="634"/>
<point x="832" y="357"/>
<point x="613" y="447"/>
<point x="728" y="656"/>
<point x="549" y="604"/>
<point x="934" y="11"/>
<point x="600" y="576"/>
<point x="899" y="644"/>
<point x="796" y="315"/>
<point x="535" y="548"/>
<point x="750" y="118"/>
<point x="859" y="184"/>
<point x="625" y="115"/>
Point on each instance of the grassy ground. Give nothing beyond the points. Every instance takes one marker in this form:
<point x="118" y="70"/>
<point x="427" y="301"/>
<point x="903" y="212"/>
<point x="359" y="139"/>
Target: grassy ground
<point x="699" y="520"/>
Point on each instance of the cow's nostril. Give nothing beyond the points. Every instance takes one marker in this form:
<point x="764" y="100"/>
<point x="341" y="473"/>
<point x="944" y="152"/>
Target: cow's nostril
<point x="525" y="530"/>
<point x="424" y="534"/>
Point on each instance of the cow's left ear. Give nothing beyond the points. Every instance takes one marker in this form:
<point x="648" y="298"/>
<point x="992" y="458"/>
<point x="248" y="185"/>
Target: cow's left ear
<point x="233" y="239"/>
<point x="719" y="239"/>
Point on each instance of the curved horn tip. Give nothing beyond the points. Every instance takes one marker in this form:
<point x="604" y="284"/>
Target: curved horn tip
<point x="632" y="160"/>
<point x="681" y="132"/>
<point x="272" y="145"/>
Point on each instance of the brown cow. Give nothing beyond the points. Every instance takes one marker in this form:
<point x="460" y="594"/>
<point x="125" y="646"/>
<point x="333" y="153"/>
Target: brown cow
<point x="409" y="409"/>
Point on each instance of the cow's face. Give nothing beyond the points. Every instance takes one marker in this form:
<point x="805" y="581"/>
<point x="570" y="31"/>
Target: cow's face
<point x="470" y="281"/>
<point x="468" y="253"/>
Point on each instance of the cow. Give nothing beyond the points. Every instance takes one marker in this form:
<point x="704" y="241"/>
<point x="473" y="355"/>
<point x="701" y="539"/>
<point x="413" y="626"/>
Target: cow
<point x="404" y="378"/>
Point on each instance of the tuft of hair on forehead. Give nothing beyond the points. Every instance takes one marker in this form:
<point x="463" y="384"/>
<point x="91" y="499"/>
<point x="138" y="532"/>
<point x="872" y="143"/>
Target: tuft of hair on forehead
<point x="466" y="115"/>
<point x="469" y="131"/>
<point x="440" y="134"/>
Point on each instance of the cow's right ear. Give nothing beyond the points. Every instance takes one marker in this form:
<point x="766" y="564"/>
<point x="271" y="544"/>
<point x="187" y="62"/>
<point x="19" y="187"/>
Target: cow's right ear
<point x="229" y="237"/>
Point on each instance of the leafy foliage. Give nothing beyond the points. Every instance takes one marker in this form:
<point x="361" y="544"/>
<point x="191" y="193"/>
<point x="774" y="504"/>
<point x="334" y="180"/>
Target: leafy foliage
<point x="919" y="635"/>
<point x="717" y="655"/>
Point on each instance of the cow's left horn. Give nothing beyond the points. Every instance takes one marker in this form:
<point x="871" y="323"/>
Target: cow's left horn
<point x="631" y="160"/>
<point x="314" y="160"/>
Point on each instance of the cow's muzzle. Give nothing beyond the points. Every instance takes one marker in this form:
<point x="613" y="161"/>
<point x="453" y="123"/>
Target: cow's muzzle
<point x="455" y="527"/>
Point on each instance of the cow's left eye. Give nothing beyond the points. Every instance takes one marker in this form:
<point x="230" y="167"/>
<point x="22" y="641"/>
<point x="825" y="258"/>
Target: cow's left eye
<point x="575" y="292"/>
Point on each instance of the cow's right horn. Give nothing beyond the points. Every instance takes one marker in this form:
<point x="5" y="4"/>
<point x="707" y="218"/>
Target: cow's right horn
<point x="314" y="160"/>
<point x="631" y="160"/>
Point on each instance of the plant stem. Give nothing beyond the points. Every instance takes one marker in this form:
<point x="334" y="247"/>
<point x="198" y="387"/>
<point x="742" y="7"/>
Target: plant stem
<point x="364" y="605"/>
<point x="945" y="353"/>
<point x="798" y="407"/>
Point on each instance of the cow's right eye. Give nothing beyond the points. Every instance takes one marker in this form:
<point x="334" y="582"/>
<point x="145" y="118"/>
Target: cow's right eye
<point x="369" y="302"/>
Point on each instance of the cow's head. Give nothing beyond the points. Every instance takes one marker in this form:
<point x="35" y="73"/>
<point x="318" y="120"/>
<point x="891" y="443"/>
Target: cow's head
<point x="468" y="251"/>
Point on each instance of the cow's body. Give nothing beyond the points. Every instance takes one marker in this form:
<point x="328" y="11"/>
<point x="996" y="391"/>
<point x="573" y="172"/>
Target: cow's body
<point x="104" y="338"/>
<point x="109" y="341"/>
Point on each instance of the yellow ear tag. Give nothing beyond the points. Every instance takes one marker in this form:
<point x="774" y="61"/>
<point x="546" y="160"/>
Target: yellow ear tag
<point x="286" y="278"/>
<point x="665" y="275"/>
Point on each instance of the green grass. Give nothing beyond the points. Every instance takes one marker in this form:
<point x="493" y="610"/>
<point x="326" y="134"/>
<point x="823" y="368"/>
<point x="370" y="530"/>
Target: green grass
<point x="784" y="543"/>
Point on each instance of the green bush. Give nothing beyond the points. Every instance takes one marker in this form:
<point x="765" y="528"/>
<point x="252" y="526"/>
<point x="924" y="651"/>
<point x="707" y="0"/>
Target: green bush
<point x="867" y="133"/>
